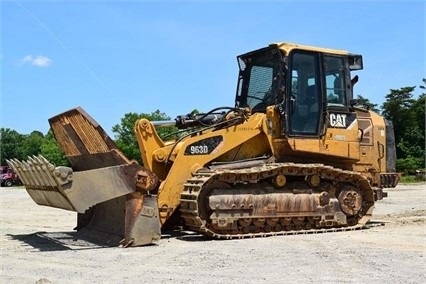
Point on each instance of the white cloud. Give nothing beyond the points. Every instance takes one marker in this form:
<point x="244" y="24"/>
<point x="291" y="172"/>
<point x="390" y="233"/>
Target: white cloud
<point x="39" y="60"/>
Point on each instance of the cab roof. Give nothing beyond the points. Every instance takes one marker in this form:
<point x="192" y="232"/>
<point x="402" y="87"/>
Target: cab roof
<point x="287" y="47"/>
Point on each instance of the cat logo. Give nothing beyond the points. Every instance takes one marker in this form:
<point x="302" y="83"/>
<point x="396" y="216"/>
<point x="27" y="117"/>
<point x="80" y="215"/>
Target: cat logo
<point x="338" y="120"/>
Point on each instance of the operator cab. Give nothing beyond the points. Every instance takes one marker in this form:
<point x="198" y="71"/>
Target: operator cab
<point x="304" y="83"/>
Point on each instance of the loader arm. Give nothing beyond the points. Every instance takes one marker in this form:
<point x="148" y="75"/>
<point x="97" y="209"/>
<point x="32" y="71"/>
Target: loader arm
<point x="176" y="163"/>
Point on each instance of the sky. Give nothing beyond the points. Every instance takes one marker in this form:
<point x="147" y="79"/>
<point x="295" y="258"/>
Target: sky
<point x="116" y="57"/>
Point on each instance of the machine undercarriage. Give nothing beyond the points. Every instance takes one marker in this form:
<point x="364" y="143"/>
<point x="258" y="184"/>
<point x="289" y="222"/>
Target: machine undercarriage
<point x="275" y="199"/>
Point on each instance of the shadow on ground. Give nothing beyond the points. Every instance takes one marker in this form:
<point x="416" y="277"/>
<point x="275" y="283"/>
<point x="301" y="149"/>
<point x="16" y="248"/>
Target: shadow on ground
<point x="57" y="241"/>
<point x="39" y="242"/>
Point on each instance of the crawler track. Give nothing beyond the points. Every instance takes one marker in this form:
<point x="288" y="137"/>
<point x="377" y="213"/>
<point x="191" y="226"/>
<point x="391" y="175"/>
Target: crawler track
<point x="276" y="199"/>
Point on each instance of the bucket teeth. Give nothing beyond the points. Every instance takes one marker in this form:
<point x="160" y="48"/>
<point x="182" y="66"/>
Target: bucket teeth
<point x="61" y="187"/>
<point x="38" y="173"/>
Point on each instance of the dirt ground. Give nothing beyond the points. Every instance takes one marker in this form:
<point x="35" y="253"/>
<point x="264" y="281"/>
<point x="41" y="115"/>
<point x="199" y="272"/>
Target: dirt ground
<point x="391" y="253"/>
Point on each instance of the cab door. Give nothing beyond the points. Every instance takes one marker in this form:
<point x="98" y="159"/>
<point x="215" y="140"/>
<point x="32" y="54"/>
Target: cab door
<point x="305" y="100"/>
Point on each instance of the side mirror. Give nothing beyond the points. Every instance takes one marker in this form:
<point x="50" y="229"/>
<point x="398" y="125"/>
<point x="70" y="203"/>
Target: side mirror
<point x="355" y="62"/>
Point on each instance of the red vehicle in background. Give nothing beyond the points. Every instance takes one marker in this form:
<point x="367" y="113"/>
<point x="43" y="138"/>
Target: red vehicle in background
<point x="8" y="177"/>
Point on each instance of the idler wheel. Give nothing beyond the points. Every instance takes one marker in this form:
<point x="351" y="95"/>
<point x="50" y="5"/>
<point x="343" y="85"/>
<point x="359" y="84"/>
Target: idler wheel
<point x="350" y="200"/>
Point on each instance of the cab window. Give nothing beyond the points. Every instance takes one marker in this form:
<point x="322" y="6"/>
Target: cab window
<point x="334" y="80"/>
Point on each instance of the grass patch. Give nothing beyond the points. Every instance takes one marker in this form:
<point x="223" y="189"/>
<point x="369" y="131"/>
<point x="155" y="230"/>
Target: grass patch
<point x="412" y="179"/>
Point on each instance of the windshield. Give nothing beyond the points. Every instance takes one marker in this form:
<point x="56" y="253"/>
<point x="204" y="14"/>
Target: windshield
<point x="258" y="80"/>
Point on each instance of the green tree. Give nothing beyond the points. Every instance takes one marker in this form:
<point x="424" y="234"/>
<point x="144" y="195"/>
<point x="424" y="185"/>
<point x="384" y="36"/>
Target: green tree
<point x="51" y="151"/>
<point x="407" y="116"/>
<point x="419" y="108"/>
<point x="365" y="102"/>
<point x="30" y="145"/>
<point x="19" y="146"/>
<point x="125" y="138"/>
<point x="10" y="146"/>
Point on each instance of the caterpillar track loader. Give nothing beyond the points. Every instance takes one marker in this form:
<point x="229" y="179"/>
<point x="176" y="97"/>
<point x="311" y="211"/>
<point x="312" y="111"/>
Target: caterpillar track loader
<point x="295" y="154"/>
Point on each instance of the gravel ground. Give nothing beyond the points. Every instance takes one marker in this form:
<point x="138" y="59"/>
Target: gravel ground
<point x="393" y="253"/>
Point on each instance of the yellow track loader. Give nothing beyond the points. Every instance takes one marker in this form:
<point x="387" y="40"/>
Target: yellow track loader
<point x="296" y="154"/>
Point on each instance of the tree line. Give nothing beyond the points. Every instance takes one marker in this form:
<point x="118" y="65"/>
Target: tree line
<point x="401" y="107"/>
